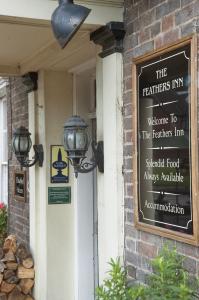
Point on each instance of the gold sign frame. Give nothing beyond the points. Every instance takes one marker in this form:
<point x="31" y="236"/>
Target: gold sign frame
<point x="168" y="233"/>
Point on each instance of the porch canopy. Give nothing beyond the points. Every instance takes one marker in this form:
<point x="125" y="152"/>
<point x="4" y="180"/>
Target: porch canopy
<point x="27" y="42"/>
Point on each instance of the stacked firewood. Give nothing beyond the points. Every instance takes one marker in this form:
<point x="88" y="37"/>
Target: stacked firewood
<point x="16" y="271"/>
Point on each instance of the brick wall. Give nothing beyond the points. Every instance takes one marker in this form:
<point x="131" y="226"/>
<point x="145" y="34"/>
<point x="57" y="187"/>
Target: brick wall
<point x="150" y="24"/>
<point x="17" y="116"/>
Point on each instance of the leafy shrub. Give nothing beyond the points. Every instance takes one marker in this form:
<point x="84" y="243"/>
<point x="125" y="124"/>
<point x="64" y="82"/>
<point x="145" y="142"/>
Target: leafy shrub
<point x="169" y="281"/>
<point x="115" y="287"/>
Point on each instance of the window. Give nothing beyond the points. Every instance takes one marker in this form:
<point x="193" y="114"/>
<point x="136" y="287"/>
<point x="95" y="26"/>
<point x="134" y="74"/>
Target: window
<point x="3" y="152"/>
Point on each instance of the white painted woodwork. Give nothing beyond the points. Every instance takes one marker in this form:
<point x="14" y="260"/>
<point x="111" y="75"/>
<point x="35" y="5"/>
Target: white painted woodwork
<point x="3" y="150"/>
<point x="110" y="188"/>
<point x="113" y="3"/>
<point x="52" y="227"/>
<point x="32" y="102"/>
<point x="32" y="48"/>
<point x="53" y="57"/>
<point x="40" y="214"/>
<point x="60" y="218"/>
<point x="84" y="197"/>
<point x="43" y="9"/>
<point x="54" y="231"/>
<point x="27" y="41"/>
<point x="68" y="229"/>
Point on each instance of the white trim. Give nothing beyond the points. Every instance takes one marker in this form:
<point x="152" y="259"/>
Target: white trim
<point x="110" y="198"/>
<point x="40" y="224"/>
<point x="111" y="3"/>
<point x="3" y="151"/>
<point x="92" y="115"/>
<point x="83" y="67"/>
<point x="75" y="198"/>
<point x="32" y="187"/>
<point x="6" y="70"/>
<point x="43" y="9"/>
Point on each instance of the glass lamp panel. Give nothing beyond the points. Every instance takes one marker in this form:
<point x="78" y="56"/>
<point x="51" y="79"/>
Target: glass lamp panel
<point x="24" y="144"/>
<point x="16" y="144"/>
<point x="70" y="140"/>
<point x="29" y="143"/>
<point x="81" y="140"/>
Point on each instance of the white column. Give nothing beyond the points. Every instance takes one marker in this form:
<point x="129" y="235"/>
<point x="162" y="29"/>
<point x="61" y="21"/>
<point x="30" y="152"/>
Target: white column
<point x="37" y="188"/>
<point x="32" y="187"/>
<point x="110" y="191"/>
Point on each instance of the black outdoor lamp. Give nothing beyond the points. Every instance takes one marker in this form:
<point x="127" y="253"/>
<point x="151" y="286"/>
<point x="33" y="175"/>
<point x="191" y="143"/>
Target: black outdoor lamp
<point x="76" y="143"/>
<point x="21" y="144"/>
<point x="67" y="19"/>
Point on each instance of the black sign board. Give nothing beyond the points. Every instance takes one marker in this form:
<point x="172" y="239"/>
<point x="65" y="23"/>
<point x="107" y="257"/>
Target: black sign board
<point x="20" y="186"/>
<point x="164" y="164"/>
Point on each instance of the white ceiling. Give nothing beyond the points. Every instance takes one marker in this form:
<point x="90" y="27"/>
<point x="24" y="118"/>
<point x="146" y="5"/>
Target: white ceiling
<point x="26" y="39"/>
<point x="18" y="42"/>
<point x="25" y="48"/>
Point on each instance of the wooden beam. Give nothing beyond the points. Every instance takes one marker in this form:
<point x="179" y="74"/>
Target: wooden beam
<point x="9" y="70"/>
<point x="43" y="9"/>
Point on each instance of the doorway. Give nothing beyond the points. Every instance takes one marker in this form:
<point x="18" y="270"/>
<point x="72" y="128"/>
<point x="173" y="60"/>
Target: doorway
<point x="85" y="194"/>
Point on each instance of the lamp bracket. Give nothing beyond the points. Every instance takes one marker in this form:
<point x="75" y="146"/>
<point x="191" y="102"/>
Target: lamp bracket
<point x="38" y="157"/>
<point x="96" y="161"/>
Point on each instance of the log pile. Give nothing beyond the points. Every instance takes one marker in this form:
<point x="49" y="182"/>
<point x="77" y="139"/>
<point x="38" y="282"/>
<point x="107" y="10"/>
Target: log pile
<point x="16" y="271"/>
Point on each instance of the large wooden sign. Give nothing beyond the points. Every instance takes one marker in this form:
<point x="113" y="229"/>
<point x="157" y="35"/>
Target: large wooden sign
<point x="166" y="137"/>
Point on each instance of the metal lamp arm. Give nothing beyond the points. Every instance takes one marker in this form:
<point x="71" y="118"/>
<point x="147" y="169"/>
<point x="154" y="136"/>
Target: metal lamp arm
<point x="38" y="157"/>
<point x="96" y="161"/>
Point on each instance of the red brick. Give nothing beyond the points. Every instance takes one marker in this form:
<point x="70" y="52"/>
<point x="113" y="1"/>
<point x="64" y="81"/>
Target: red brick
<point x="128" y="137"/>
<point x="17" y="100"/>
<point x="167" y="23"/>
<point x="128" y="83"/>
<point x="187" y="250"/>
<point x="145" y="249"/>
<point x="167" y="38"/>
<point x="190" y="265"/>
<point x="144" y="35"/>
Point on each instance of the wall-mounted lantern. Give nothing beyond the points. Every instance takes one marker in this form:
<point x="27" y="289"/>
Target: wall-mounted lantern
<point x="21" y="144"/>
<point x="76" y="143"/>
<point x="67" y="19"/>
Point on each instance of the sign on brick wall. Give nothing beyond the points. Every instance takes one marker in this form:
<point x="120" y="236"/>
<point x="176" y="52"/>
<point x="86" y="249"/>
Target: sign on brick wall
<point x="166" y="134"/>
<point x="19" y="185"/>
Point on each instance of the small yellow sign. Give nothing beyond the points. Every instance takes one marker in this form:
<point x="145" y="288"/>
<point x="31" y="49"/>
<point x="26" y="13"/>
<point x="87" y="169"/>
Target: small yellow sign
<point x="59" y="165"/>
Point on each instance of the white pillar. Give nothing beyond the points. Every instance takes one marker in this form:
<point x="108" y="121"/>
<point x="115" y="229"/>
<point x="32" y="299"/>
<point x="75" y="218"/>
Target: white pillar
<point x="51" y="226"/>
<point x="32" y="98"/>
<point x="41" y="198"/>
<point x="110" y="191"/>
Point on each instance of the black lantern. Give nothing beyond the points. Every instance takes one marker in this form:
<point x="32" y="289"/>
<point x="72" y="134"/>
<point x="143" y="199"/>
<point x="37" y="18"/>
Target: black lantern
<point x="76" y="143"/>
<point x="21" y="144"/>
<point x="67" y="19"/>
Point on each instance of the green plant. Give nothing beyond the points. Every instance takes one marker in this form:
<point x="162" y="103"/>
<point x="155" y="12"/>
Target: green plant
<point x="169" y="281"/>
<point x="115" y="287"/>
<point x="3" y="222"/>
